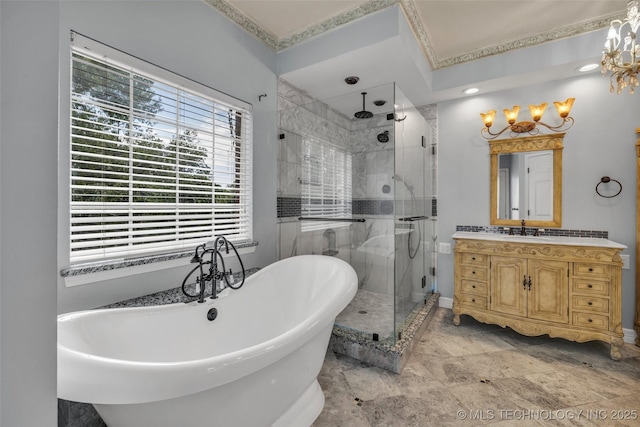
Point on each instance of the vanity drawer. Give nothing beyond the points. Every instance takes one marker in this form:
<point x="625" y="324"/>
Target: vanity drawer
<point x="598" y="271"/>
<point x="588" y="320"/>
<point x="473" y="301"/>
<point x="473" y="272"/>
<point x="473" y="287"/>
<point x="592" y="304"/>
<point x="474" y="259"/>
<point x="591" y="287"/>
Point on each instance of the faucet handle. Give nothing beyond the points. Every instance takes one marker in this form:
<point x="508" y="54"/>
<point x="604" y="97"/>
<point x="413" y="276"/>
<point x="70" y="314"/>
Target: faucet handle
<point x="523" y="230"/>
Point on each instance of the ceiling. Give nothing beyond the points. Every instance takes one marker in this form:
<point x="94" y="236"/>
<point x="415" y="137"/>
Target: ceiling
<point x="447" y="33"/>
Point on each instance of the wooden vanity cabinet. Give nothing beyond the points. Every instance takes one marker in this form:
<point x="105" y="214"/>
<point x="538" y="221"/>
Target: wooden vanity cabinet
<point x="567" y="291"/>
<point x="530" y="288"/>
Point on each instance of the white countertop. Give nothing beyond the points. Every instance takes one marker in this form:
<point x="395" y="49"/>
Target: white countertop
<point x="542" y="240"/>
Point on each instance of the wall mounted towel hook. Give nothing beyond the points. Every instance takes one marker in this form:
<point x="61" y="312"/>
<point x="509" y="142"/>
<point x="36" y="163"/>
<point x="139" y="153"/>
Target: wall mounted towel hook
<point x="264" y="95"/>
<point x="605" y="180"/>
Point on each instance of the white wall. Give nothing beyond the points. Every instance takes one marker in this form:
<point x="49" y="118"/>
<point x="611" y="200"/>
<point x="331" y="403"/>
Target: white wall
<point x="192" y="39"/>
<point x="188" y="37"/>
<point x="601" y="142"/>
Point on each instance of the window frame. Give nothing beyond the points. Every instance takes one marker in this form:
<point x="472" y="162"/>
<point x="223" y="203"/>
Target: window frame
<point x="93" y="49"/>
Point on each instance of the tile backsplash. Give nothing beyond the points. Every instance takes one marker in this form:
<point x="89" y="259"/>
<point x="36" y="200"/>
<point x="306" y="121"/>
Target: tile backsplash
<point x="531" y="230"/>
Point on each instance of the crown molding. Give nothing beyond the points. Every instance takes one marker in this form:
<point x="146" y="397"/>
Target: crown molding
<point x="420" y="32"/>
<point x="549" y="36"/>
<point x="237" y="16"/>
<point x="336" y="21"/>
<point x="410" y="11"/>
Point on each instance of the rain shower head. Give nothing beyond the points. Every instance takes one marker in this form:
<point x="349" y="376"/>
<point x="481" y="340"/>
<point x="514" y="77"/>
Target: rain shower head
<point x="363" y="114"/>
<point x="383" y="137"/>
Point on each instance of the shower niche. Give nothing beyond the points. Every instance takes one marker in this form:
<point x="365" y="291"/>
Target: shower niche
<point x="356" y="180"/>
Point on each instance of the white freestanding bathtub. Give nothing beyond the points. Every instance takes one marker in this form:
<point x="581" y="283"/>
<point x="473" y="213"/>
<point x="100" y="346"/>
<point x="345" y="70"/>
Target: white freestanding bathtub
<point x="254" y="365"/>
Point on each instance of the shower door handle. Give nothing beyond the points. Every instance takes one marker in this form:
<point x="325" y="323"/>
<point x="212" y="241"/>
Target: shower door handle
<point x="320" y="218"/>
<point x="413" y="218"/>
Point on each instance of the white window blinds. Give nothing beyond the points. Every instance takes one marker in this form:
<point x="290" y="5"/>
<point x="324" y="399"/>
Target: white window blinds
<point x="155" y="166"/>
<point x="326" y="183"/>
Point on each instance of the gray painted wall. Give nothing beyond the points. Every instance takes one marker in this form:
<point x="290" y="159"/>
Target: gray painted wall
<point x="601" y="142"/>
<point x="207" y="48"/>
<point x="188" y="37"/>
<point x="29" y="80"/>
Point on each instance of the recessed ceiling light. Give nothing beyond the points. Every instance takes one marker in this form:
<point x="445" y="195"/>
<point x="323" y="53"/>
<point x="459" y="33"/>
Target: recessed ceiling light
<point x="588" y="67"/>
<point x="471" y="91"/>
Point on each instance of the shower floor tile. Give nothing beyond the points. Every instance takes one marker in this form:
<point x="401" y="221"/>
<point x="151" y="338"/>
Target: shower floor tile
<point x="369" y="312"/>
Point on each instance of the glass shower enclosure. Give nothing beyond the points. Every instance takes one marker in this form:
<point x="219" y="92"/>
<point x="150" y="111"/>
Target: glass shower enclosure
<point x="355" y="181"/>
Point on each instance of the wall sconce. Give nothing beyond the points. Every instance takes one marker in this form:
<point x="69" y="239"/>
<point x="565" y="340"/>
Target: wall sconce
<point x="516" y="128"/>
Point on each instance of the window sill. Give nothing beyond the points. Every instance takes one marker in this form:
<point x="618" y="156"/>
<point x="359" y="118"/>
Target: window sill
<point x="83" y="274"/>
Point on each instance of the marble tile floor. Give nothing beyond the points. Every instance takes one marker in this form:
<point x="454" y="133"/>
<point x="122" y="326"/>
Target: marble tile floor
<point x="477" y="374"/>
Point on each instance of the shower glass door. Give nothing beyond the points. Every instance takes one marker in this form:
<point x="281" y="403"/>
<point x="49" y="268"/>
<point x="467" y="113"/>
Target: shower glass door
<point x="413" y="225"/>
<point x="371" y="142"/>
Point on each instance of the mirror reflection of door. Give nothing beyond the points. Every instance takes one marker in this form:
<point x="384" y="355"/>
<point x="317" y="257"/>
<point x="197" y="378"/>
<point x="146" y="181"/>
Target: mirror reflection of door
<point x="503" y="194"/>
<point x="539" y="185"/>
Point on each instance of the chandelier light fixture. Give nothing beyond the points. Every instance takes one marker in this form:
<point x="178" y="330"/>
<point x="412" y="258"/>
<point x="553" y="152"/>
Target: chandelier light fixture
<point x="516" y="128"/>
<point x="621" y="54"/>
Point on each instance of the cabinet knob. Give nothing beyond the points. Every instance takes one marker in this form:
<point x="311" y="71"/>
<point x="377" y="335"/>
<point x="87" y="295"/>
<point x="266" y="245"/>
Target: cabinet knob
<point x="473" y="258"/>
<point x="473" y="300"/>
<point x="473" y="286"/>
<point x="590" y="320"/>
<point x="591" y="269"/>
<point x="589" y="286"/>
<point x="473" y="272"/>
<point x="590" y="303"/>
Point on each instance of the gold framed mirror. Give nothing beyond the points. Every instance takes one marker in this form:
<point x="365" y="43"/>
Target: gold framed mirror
<point x="526" y="181"/>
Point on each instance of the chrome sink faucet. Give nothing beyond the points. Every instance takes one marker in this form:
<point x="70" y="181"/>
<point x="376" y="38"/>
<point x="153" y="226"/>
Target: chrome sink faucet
<point x="523" y="231"/>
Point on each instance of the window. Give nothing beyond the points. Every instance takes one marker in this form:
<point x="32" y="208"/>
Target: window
<point x="158" y="163"/>
<point x="326" y="183"/>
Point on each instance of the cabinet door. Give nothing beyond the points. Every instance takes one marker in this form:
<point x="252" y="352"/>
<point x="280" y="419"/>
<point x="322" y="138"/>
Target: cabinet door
<point x="548" y="297"/>
<point x="507" y="288"/>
